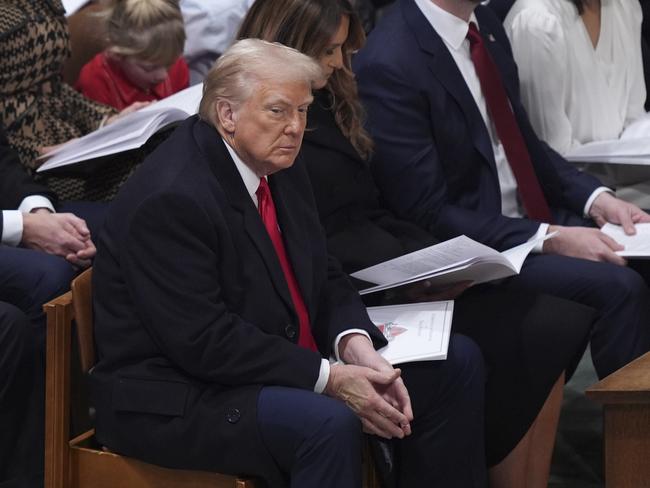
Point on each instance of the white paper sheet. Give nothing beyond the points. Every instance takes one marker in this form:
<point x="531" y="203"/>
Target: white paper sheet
<point x="633" y="147"/>
<point x="452" y="261"/>
<point x="71" y="6"/>
<point x="636" y="246"/>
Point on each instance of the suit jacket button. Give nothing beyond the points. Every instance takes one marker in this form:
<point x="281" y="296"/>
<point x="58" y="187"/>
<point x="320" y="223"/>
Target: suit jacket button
<point x="290" y="331"/>
<point x="233" y="415"/>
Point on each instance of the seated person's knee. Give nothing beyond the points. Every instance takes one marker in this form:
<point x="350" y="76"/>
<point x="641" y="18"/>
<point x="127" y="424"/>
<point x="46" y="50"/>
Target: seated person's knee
<point x="466" y="358"/>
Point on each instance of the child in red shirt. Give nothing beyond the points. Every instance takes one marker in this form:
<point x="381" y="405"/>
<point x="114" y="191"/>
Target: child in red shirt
<point x="143" y="59"/>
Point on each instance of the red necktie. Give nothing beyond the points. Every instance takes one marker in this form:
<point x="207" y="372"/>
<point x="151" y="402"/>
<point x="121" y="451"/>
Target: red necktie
<point x="270" y="220"/>
<point x="507" y="128"/>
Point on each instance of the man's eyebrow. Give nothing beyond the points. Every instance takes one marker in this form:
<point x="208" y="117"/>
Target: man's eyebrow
<point x="278" y="99"/>
<point x="286" y="101"/>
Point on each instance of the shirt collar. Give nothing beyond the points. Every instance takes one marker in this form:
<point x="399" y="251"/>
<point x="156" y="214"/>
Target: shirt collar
<point x="452" y="29"/>
<point x="248" y="176"/>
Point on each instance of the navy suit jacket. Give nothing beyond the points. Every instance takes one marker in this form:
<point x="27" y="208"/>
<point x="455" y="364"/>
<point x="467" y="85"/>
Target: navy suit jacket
<point x="433" y="160"/>
<point x="192" y="311"/>
<point x="501" y="7"/>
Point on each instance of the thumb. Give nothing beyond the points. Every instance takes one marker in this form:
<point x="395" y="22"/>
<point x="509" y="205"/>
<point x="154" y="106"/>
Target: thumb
<point x="628" y="224"/>
<point x="611" y="243"/>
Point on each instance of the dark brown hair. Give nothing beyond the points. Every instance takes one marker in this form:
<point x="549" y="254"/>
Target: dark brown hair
<point x="308" y="26"/>
<point x="580" y="5"/>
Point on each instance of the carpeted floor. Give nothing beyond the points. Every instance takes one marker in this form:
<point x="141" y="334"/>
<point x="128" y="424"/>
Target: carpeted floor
<point x="577" y="459"/>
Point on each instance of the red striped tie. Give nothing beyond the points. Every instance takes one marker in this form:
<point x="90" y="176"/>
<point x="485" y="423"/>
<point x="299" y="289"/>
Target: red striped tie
<point x="270" y="220"/>
<point x="507" y="128"/>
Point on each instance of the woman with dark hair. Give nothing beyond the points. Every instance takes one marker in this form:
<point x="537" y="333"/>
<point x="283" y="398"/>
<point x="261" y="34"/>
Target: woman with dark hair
<point x="581" y="77"/>
<point x="527" y="340"/>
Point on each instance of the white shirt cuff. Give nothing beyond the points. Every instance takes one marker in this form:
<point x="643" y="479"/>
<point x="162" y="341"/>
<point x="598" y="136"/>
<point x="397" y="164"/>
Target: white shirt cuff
<point x="592" y="197"/>
<point x="35" y="201"/>
<point x="12" y="227"/>
<point x="323" y="376"/>
<point x="541" y="232"/>
<point x="342" y="335"/>
<point x="324" y="373"/>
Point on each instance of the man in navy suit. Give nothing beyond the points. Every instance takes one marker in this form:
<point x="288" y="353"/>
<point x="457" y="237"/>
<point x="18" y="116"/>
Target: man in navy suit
<point x="212" y="352"/>
<point x="500" y="7"/>
<point x="440" y="162"/>
<point x="38" y="250"/>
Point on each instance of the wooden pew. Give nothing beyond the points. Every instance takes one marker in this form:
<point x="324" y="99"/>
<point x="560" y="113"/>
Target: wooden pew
<point x="78" y="461"/>
<point x="625" y="396"/>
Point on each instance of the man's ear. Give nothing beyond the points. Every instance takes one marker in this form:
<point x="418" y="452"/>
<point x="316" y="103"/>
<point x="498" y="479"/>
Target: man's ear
<point x="226" y="115"/>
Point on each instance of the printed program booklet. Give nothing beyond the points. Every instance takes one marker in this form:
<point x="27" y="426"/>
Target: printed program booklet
<point x="415" y="331"/>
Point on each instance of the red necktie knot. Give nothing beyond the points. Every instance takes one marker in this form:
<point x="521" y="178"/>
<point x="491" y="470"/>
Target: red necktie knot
<point x="473" y="35"/>
<point x="262" y="191"/>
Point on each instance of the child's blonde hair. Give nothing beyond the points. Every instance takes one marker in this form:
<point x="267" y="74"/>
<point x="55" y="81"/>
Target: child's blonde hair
<point x="149" y="30"/>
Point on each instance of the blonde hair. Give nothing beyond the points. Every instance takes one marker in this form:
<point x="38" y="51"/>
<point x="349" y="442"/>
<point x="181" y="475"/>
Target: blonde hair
<point x="246" y="64"/>
<point x="149" y="30"/>
<point x="309" y="25"/>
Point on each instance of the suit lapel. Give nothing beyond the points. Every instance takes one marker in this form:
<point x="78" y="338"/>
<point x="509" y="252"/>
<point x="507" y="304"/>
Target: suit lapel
<point x="496" y="51"/>
<point x="444" y="68"/>
<point x="224" y="168"/>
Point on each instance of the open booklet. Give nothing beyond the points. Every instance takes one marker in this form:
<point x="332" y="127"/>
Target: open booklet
<point x="633" y="147"/>
<point x="128" y="132"/>
<point x="452" y="261"/>
<point x="636" y="246"/>
<point x="415" y="331"/>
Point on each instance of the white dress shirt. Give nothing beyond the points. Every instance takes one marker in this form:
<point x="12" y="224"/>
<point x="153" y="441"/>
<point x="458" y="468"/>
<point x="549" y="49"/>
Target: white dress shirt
<point x="252" y="182"/>
<point x="210" y="28"/>
<point x="453" y="31"/>
<point x="575" y="93"/>
<point x="12" y="220"/>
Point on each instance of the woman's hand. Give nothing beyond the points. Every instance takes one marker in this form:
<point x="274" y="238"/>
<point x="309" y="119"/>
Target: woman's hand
<point x="45" y="151"/>
<point x="126" y="111"/>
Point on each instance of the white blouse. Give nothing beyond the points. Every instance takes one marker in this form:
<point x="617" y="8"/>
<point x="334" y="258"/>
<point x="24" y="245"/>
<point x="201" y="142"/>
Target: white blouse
<point x="575" y="93"/>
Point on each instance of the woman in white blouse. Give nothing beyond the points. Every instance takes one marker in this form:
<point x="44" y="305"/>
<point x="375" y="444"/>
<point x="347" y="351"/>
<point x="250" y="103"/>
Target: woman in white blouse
<point x="582" y="76"/>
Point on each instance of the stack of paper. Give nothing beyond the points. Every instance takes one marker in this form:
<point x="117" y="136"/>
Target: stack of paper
<point x="636" y="246"/>
<point x="415" y="332"/>
<point x="452" y="261"/>
<point x="633" y="147"/>
<point x="128" y="132"/>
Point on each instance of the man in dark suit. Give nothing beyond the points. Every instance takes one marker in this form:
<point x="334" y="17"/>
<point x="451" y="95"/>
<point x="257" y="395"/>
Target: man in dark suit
<point x="500" y="7"/>
<point x="37" y="252"/>
<point x="216" y="306"/>
<point x="445" y="161"/>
